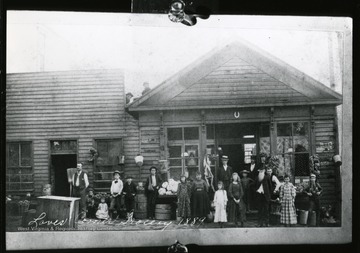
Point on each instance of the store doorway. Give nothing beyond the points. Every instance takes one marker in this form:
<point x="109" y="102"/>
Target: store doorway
<point x="60" y="164"/>
<point x="235" y="152"/>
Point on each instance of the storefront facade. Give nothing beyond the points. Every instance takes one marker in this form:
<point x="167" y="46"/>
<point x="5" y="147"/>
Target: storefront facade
<point x="240" y="101"/>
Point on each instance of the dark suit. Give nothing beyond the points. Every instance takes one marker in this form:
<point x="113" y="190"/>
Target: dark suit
<point x="225" y="176"/>
<point x="263" y="199"/>
<point x="152" y="194"/>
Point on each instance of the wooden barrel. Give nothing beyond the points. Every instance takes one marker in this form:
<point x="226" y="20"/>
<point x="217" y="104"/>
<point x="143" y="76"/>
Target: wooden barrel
<point x="140" y="206"/>
<point x="163" y="212"/>
<point x="312" y="218"/>
<point x="303" y="217"/>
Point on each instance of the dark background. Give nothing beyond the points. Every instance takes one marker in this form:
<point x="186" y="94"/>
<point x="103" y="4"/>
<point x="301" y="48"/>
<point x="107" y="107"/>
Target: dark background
<point x="341" y="8"/>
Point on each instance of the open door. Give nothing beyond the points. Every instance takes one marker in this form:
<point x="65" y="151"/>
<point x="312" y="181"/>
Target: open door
<point x="60" y="164"/>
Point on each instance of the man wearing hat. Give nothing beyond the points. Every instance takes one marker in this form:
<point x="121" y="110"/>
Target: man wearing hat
<point x="152" y="186"/>
<point x="263" y="195"/>
<point x="313" y="191"/>
<point x="129" y="191"/>
<point x="80" y="182"/>
<point x="115" y="190"/>
<point x="225" y="172"/>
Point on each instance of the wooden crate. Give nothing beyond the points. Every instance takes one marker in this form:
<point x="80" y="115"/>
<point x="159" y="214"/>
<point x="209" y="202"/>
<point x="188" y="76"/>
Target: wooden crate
<point x="59" y="208"/>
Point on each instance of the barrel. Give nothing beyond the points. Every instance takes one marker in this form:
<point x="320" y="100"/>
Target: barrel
<point x="312" y="218"/>
<point x="303" y="217"/>
<point x="140" y="206"/>
<point x="163" y="212"/>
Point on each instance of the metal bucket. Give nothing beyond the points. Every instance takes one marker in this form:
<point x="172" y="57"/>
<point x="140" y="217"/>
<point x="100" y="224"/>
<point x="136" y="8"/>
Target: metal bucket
<point x="303" y="217"/>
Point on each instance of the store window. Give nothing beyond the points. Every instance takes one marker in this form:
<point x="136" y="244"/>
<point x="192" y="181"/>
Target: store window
<point x="293" y="147"/>
<point x="19" y="170"/>
<point x="107" y="161"/>
<point x="264" y="139"/>
<point x="183" y="151"/>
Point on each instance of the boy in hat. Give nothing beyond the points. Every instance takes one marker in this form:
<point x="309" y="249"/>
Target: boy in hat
<point x="313" y="191"/>
<point x="245" y="183"/>
<point x="115" y="190"/>
<point x="225" y="172"/>
<point x="90" y="204"/>
<point x="152" y="186"/>
<point x="129" y="191"/>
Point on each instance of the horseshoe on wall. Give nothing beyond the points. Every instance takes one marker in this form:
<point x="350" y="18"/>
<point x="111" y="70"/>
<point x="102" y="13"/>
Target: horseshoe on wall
<point x="236" y="115"/>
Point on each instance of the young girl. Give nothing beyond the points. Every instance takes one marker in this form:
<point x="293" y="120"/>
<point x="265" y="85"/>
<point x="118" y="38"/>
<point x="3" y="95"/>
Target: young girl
<point x="200" y="199"/>
<point x="183" y="196"/>
<point x="236" y="203"/>
<point x="287" y="199"/>
<point x="102" y="213"/>
<point x="220" y="201"/>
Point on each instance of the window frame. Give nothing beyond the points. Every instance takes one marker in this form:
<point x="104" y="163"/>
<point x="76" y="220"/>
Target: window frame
<point x="293" y="153"/>
<point x="20" y="167"/>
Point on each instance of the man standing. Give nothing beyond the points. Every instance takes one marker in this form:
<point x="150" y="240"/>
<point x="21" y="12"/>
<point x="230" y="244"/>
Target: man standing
<point x="80" y="182"/>
<point x="115" y="190"/>
<point x="263" y="194"/>
<point x="152" y="186"/>
<point x="225" y="172"/>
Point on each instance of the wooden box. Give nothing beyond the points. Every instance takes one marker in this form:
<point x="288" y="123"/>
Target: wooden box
<point x="65" y="210"/>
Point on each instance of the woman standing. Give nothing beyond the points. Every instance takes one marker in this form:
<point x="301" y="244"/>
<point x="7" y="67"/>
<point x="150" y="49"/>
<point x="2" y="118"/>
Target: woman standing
<point x="183" y="196"/>
<point x="287" y="199"/>
<point x="200" y="199"/>
<point x="236" y="203"/>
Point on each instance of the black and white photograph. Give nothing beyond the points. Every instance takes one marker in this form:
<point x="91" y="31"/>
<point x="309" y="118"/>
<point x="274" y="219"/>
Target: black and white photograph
<point x="153" y="128"/>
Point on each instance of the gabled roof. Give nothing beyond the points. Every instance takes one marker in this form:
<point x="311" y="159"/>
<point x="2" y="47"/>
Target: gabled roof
<point x="237" y="75"/>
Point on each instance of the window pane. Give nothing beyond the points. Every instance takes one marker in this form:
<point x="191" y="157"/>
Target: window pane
<point x="192" y="151"/>
<point x="264" y="145"/>
<point x="302" y="165"/>
<point x="13" y="154"/>
<point x="301" y="137"/>
<point x="174" y="151"/>
<point x="175" y="173"/>
<point x="284" y="129"/>
<point x="265" y="130"/>
<point x="285" y="164"/>
<point x="174" y="134"/>
<point x="191" y="133"/>
<point x="14" y="186"/>
<point x="25" y="154"/>
<point x="283" y="144"/>
<point x="174" y="162"/>
<point x="210" y="132"/>
<point x="15" y="178"/>
<point x="26" y="178"/>
<point x="250" y="149"/>
<point x="102" y="149"/>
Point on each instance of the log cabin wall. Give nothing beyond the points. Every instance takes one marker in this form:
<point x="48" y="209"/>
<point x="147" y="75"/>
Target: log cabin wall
<point x="67" y="105"/>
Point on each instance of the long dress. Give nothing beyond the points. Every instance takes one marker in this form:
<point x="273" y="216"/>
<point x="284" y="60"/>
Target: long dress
<point x="102" y="212"/>
<point x="200" y="199"/>
<point x="220" y="200"/>
<point x="236" y="210"/>
<point x="287" y="198"/>
<point x="183" y="195"/>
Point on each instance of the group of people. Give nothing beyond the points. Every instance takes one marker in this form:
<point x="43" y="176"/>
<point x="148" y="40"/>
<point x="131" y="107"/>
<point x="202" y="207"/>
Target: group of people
<point x="235" y="196"/>
<point x="118" y="189"/>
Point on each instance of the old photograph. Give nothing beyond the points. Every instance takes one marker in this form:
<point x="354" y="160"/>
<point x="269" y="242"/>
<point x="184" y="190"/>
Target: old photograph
<point x="151" y="129"/>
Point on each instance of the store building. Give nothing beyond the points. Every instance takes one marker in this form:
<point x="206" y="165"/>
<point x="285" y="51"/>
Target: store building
<point x="246" y="101"/>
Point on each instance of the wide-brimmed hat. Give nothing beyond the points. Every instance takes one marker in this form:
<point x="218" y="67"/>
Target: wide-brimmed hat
<point x="129" y="93"/>
<point x="312" y="175"/>
<point x="116" y="172"/>
<point x="90" y="189"/>
<point x="245" y="171"/>
<point x="153" y="167"/>
<point x="224" y="157"/>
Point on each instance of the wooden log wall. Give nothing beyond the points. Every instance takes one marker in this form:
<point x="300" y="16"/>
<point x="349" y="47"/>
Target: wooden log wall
<point x="65" y="105"/>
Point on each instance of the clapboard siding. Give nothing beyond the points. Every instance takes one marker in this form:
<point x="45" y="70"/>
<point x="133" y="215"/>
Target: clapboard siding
<point x="64" y="105"/>
<point x="324" y="133"/>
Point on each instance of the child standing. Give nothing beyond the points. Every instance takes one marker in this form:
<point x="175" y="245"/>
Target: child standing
<point x="220" y="201"/>
<point x="287" y="200"/>
<point x="90" y="204"/>
<point x="246" y="183"/>
<point x="183" y="196"/>
<point x="129" y="191"/>
<point x="115" y="190"/>
<point x="102" y="213"/>
<point x="236" y="202"/>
